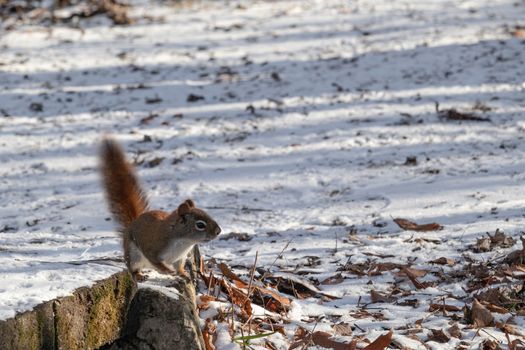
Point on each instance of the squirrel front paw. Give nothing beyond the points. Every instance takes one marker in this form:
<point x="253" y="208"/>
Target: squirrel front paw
<point x="138" y="276"/>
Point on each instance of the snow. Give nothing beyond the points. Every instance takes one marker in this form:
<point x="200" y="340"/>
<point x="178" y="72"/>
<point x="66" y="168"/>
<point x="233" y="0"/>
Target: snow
<point x="309" y="112"/>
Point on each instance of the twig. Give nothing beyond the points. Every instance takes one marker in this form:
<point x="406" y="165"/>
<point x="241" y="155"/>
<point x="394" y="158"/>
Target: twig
<point x="277" y="257"/>
<point x="249" y="293"/>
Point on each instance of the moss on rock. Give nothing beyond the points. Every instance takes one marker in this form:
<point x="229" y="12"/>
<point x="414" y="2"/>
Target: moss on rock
<point x="88" y="319"/>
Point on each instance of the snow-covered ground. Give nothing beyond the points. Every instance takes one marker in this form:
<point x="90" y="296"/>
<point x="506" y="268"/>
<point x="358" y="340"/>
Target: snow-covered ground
<point x="308" y="125"/>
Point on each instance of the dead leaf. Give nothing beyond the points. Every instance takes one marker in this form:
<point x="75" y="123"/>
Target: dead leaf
<point x="148" y="119"/>
<point x="414" y="272"/>
<point x="343" y="329"/>
<point x="480" y="316"/>
<point x="154" y="162"/>
<point x="204" y="301"/>
<point x="301" y="338"/>
<point x="508" y="329"/>
<point x="500" y="239"/>
<point x="382" y="256"/>
<point x="438" y="336"/>
<point x="495" y="308"/>
<point x="504" y="295"/>
<point x="443" y="261"/>
<point x="517" y="31"/>
<point x="265" y="297"/>
<point x="230" y="274"/>
<point x="516" y="257"/>
<point x="238" y="298"/>
<point x="516" y="344"/>
<point x="455" y="331"/>
<point x="336" y="279"/>
<point x="441" y="307"/>
<point x="325" y="340"/>
<point x="272" y="300"/>
<point x="378" y="297"/>
<point x="408" y="225"/>
<point x="153" y="100"/>
<point x="453" y="114"/>
<point x="381" y="342"/>
<point x="482" y="245"/>
<point x="298" y="287"/>
<point x="413" y="279"/>
<point x="208" y="333"/>
<point x="489" y="344"/>
<point x="194" y="98"/>
<point x="409" y="302"/>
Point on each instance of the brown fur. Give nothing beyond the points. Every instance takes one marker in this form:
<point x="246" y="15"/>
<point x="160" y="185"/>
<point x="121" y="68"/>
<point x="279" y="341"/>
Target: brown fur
<point x="158" y="235"/>
<point x="123" y="192"/>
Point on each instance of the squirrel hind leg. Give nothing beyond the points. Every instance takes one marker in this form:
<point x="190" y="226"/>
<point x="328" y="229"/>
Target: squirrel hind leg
<point x="135" y="260"/>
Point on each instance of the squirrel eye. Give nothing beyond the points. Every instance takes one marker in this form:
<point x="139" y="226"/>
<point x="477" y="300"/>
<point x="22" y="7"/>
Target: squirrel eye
<point x="200" y="225"/>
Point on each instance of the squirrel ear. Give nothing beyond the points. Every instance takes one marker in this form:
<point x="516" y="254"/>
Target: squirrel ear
<point x="184" y="208"/>
<point x="190" y="203"/>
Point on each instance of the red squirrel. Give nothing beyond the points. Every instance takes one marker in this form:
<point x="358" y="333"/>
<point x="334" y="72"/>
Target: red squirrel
<point x="150" y="238"/>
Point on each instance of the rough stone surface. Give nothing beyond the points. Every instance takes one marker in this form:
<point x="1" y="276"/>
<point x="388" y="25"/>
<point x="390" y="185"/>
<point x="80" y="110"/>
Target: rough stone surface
<point x="164" y="317"/>
<point x="112" y="314"/>
<point x="29" y="330"/>
<point x="157" y="321"/>
<point x="88" y="319"/>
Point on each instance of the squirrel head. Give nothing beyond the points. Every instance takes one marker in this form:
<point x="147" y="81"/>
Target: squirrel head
<point x="195" y="223"/>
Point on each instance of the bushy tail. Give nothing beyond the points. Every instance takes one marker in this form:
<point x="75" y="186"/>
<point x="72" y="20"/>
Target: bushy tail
<point x="125" y="197"/>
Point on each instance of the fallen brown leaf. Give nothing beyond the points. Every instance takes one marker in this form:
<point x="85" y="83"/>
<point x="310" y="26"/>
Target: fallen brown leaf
<point x="413" y="279"/>
<point x="325" y="340"/>
<point x="238" y="298"/>
<point x="517" y="257"/>
<point x="204" y="301"/>
<point x="336" y="279"/>
<point x="227" y="272"/>
<point x="508" y="329"/>
<point x="297" y="286"/>
<point x="154" y="162"/>
<point x="489" y="344"/>
<point x="441" y="307"/>
<point x="480" y="316"/>
<point x="412" y="226"/>
<point x="148" y="119"/>
<point x="438" y="336"/>
<point x="499" y="239"/>
<point x="381" y="342"/>
<point x="443" y="261"/>
<point x="518" y="32"/>
<point x="453" y="114"/>
<point x="495" y="308"/>
<point x="414" y="272"/>
<point x="454" y="331"/>
<point x="482" y="245"/>
<point x="516" y="344"/>
<point x="208" y="333"/>
<point x="344" y="329"/>
<point x="378" y="297"/>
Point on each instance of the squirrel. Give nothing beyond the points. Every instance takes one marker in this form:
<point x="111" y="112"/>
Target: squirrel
<point x="150" y="238"/>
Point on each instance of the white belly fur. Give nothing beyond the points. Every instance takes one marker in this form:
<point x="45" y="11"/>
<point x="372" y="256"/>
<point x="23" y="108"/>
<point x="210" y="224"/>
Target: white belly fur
<point x="178" y="249"/>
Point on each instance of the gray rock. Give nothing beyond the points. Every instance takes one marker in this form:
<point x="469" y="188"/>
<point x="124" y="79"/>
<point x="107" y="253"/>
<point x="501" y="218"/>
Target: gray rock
<point x="112" y="314"/>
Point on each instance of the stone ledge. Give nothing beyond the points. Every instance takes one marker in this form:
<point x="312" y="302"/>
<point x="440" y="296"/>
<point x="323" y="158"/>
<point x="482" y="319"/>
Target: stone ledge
<point x="113" y="314"/>
<point x="88" y="319"/>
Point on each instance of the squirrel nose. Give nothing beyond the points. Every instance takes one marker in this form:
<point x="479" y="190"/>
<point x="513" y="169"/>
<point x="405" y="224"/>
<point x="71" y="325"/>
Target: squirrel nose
<point x="217" y="231"/>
